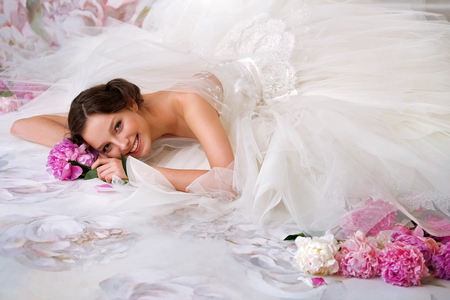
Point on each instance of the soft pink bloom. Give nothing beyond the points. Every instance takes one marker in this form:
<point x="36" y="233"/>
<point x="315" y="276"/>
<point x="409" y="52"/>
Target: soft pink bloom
<point x="441" y="262"/>
<point x="401" y="264"/>
<point x="371" y="218"/>
<point x="358" y="257"/>
<point x="427" y="246"/>
<point x="62" y="153"/>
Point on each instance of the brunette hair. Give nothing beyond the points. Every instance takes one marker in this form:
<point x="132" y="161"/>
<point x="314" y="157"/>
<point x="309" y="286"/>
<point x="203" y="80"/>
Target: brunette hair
<point x="107" y="98"/>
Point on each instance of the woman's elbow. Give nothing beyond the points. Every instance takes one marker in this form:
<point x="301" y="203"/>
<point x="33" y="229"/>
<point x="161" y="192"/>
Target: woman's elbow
<point x="17" y="127"/>
<point x="24" y="129"/>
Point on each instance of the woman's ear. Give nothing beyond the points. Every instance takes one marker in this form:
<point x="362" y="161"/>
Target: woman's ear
<point x="134" y="107"/>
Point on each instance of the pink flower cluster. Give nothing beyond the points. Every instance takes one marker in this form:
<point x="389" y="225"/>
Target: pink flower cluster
<point x="371" y="218"/>
<point x="403" y="260"/>
<point x="58" y="161"/>
<point x="372" y="244"/>
<point x="397" y="263"/>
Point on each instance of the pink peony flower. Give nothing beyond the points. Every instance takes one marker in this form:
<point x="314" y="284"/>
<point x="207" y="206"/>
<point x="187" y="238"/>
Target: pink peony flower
<point x="358" y="257"/>
<point x="441" y="262"/>
<point x="427" y="246"/>
<point x="62" y="153"/>
<point x="371" y="218"/>
<point x="401" y="264"/>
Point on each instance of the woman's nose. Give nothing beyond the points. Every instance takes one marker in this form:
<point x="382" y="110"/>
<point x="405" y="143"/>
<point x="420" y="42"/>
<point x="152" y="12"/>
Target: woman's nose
<point x="124" y="144"/>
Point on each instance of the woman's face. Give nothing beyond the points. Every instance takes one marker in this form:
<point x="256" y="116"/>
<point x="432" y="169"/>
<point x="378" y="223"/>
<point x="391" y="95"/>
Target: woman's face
<point x="125" y="132"/>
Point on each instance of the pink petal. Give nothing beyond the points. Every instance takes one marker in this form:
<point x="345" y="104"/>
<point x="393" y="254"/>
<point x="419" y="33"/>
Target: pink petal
<point x="313" y="282"/>
<point x="66" y="172"/>
<point x="76" y="172"/>
<point x="104" y="188"/>
<point x="318" y="281"/>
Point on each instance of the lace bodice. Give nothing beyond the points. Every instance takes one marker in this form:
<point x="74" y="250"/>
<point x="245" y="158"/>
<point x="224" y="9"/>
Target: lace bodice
<point x="270" y="46"/>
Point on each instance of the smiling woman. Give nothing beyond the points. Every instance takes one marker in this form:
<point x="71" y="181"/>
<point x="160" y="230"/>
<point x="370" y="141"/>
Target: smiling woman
<point x="115" y="119"/>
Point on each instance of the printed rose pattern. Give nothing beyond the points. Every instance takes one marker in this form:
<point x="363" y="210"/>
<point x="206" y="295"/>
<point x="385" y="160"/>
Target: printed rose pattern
<point x="57" y="243"/>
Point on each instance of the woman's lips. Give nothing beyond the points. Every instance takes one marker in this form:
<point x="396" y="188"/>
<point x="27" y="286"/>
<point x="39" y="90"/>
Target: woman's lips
<point x="136" y="145"/>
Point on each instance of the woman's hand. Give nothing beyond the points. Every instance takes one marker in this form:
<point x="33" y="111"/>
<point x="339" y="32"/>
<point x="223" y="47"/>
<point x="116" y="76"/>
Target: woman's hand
<point x="107" y="167"/>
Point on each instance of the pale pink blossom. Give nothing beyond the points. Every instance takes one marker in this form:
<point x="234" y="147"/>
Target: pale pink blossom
<point x="358" y="257"/>
<point x="371" y="218"/>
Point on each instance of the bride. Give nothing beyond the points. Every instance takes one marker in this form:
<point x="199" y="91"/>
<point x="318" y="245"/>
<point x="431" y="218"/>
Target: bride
<point x="319" y="107"/>
<point x="115" y="119"/>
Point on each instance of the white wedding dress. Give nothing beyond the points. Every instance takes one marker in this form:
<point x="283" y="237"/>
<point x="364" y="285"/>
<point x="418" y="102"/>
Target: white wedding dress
<point x="326" y="103"/>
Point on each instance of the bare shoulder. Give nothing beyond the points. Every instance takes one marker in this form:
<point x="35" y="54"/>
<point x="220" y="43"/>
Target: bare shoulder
<point x="191" y="101"/>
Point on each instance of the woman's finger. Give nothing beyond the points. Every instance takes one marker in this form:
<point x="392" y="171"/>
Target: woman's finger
<point x="100" y="161"/>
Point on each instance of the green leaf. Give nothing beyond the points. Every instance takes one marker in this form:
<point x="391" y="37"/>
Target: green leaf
<point x="91" y="174"/>
<point x="6" y="94"/>
<point x="292" y="237"/>
<point x="124" y="163"/>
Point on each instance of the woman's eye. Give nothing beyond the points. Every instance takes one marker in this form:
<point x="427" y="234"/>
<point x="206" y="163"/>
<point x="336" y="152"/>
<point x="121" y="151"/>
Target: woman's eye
<point x="106" y="148"/>
<point x="117" y="127"/>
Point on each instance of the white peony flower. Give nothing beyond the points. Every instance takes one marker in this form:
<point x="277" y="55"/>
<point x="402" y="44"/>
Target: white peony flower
<point x="316" y="256"/>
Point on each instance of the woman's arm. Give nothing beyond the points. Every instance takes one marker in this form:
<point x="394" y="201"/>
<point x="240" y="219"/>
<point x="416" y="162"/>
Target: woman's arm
<point x="203" y="120"/>
<point x="46" y="130"/>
